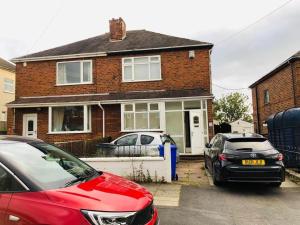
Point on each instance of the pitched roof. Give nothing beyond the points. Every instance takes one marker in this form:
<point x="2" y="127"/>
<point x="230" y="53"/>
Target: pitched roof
<point x="136" y="40"/>
<point x="107" y="98"/>
<point x="278" y="68"/>
<point x="7" y="65"/>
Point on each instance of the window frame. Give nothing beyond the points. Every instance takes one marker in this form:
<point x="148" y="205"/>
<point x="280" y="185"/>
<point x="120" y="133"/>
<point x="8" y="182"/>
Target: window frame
<point x="266" y="93"/>
<point x="87" y="120"/>
<point x="123" y="112"/>
<point x="81" y="72"/>
<point x="17" y="179"/>
<point x="132" y="68"/>
<point x="146" y="135"/>
<point x="12" y="85"/>
<point x="126" y="136"/>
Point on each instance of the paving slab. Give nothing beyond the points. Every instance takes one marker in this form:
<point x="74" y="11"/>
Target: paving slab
<point x="165" y="194"/>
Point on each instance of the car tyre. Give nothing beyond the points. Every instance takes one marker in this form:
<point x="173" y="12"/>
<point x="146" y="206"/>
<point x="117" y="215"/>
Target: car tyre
<point x="214" y="177"/>
<point x="205" y="163"/>
<point x="275" y="185"/>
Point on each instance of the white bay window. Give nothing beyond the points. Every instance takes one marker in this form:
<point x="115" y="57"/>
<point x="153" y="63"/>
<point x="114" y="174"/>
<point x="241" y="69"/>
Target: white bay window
<point x="74" y="72"/>
<point x="141" y="116"/>
<point x="70" y="119"/>
<point x="145" y="68"/>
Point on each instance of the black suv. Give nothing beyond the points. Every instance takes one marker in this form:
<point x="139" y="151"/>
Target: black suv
<point x="243" y="158"/>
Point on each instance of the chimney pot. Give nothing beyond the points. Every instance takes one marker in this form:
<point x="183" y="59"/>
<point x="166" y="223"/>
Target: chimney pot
<point x="117" y="29"/>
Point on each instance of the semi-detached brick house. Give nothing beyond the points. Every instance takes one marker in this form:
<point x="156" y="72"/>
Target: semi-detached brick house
<point x="277" y="91"/>
<point x="118" y="82"/>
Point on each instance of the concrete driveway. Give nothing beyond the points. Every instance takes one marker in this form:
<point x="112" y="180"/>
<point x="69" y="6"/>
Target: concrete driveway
<point x="199" y="202"/>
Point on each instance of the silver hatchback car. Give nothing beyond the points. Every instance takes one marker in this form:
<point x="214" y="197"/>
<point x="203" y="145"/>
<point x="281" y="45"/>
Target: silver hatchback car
<point x="142" y="143"/>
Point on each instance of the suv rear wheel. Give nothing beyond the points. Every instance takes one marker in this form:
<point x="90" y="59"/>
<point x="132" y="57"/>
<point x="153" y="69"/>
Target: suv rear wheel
<point x="275" y="184"/>
<point x="214" y="177"/>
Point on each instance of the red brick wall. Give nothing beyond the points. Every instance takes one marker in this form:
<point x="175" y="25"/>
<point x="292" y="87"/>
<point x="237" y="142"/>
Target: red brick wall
<point x="296" y="69"/>
<point x="178" y="72"/>
<point x="112" y="124"/>
<point x="39" y="79"/>
<point x="211" y="132"/>
<point x="280" y="87"/>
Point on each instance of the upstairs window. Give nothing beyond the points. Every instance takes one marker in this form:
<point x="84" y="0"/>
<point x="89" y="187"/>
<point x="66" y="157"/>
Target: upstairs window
<point x="74" y="72"/>
<point x="266" y="97"/>
<point x="146" y="68"/>
<point x="9" y="85"/>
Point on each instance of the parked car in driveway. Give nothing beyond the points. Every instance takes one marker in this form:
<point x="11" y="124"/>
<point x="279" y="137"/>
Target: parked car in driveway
<point x="243" y="158"/>
<point x="42" y="184"/>
<point x="142" y="143"/>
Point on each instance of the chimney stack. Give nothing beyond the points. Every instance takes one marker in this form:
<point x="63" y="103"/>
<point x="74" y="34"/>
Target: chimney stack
<point x="117" y="29"/>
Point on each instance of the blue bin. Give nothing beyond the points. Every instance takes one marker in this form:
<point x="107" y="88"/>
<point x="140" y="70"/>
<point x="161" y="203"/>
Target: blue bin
<point x="173" y="159"/>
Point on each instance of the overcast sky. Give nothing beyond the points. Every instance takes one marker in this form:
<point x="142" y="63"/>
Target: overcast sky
<point x="34" y="25"/>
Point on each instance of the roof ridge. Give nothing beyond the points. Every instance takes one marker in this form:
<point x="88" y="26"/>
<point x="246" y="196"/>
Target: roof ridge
<point x="6" y="64"/>
<point x="278" y="67"/>
<point x="136" y="40"/>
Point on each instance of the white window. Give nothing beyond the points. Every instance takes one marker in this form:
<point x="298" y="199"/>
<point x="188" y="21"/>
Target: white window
<point x="74" y="72"/>
<point x="70" y="119"/>
<point x="146" y="68"/>
<point x="141" y="116"/>
<point x="9" y="85"/>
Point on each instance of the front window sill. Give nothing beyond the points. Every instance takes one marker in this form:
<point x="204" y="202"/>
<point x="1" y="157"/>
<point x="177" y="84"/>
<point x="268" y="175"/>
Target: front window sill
<point x="70" y="132"/>
<point x="136" y="81"/>
<point x="74" y="84"/>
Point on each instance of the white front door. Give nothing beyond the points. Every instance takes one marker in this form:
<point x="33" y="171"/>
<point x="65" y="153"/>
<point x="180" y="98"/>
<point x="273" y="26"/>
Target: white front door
<point x="197" y="132"/>
<point x="30" y="125"/>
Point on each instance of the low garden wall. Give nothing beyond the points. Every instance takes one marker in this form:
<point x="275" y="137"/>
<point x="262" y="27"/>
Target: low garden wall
<point x="140" y="169"/>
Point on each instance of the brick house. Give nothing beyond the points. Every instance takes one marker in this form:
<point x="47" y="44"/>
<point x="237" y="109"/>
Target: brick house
<point x="277" y="91"/>
<point x="118" y="82"/>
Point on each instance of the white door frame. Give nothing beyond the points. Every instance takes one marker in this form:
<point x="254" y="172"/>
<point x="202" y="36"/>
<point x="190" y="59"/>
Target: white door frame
<point x="197" y="133"/>
<point x="32" y="116"/>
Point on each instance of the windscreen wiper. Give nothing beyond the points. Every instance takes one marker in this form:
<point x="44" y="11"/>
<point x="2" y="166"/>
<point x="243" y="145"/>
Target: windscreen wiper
<point x="82" y="178"/>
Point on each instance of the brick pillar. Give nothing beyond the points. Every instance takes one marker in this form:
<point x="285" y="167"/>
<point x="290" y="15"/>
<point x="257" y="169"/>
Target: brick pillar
<point x="10" y="121"/>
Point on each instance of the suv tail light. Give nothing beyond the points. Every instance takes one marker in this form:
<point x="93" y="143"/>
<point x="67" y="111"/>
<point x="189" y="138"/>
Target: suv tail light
<point x="279" y="157"/>
<point x="222" y="157"/>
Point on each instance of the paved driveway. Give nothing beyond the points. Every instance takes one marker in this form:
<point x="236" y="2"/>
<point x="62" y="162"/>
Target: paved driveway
<point x="199" y="202"/>
<point x="234" y="204"/>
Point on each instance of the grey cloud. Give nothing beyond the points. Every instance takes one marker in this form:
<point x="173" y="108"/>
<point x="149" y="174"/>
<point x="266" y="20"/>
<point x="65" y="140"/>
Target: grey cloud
<point x="245" y="58"/>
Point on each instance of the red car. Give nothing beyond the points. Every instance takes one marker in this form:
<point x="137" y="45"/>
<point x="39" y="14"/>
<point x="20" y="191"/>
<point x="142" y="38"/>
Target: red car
<point x="42" y="185"/>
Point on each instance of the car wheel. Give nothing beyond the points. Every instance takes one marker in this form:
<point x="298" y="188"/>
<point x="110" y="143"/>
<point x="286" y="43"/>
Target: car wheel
<point x="205" y="163"/>
<point x="275" y="184"/>
<point x="214" y="177"/>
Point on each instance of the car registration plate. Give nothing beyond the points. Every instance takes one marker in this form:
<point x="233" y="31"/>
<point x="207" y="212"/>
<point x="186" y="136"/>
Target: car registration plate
<point x="253" y="162"/>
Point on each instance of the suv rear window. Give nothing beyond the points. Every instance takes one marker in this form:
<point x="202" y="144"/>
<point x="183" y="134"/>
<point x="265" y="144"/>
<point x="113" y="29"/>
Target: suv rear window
<point x="248" y="144"/>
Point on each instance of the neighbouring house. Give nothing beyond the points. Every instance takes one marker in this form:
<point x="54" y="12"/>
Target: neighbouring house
<point x="119" y="82"/>
<point x="276" y="91"/>
<point x="241" y="126"/>
<point x="7" y="90"/>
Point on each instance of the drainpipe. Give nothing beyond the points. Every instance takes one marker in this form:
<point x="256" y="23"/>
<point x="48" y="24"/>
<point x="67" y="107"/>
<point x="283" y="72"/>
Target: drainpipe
<point x="103" y="119"/>
<point x="257" y="111"/>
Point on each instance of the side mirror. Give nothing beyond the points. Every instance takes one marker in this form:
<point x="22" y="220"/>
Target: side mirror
<point x="207" y="145"/>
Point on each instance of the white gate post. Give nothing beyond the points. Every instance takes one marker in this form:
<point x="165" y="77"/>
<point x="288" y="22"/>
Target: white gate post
<point x="167" y="151"/>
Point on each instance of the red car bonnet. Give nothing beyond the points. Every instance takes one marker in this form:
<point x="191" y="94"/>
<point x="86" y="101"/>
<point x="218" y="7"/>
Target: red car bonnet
<point x="105" y="193"/>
